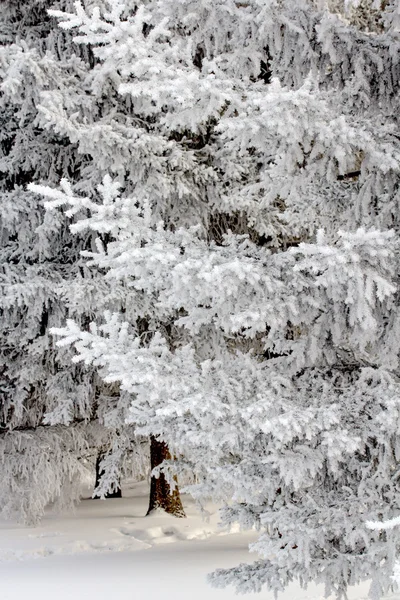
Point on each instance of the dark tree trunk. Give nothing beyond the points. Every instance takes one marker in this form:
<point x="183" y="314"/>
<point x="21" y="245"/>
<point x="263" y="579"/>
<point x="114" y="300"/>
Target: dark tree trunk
<point x="160" y="491"/>
<point x="99" y="472"/>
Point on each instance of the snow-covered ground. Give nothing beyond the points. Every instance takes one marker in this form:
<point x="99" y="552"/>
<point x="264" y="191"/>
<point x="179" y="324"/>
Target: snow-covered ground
<point x="109" y="549"/>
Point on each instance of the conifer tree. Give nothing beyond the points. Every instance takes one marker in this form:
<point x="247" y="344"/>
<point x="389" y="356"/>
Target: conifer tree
<point x="249" y="217"/>
<point x="54" y="418"/>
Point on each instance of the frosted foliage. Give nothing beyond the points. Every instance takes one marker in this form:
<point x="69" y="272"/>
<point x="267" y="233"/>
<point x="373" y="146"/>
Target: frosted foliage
<point x="50" y="464"/>
<point x="244" y="212"/>
<point x="366" y="15"/>
<point x="41" y="467"/>
<point x="388" y="526"/>
<point x="43" y="278"/>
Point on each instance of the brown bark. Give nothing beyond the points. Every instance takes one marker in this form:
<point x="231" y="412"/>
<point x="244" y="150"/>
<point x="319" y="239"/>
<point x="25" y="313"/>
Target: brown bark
<point x="160" y="491"/>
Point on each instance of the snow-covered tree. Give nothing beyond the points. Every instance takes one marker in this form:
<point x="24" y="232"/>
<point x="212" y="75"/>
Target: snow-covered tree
<point x="53" y="417"/>
<point x="249" y="218"/>
<point x="387" y="527"/>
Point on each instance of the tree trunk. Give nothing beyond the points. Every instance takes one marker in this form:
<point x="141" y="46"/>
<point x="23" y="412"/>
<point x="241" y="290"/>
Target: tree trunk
<point x="160" y="491"/>
<point x="117" y="493"/>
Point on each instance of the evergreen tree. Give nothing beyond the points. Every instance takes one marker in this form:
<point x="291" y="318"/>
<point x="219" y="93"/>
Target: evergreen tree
<point x="249" y="218"/>
<point x="54" y="418"/>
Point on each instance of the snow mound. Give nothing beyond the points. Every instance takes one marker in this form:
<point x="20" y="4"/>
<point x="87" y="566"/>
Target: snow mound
<point x="168" y="534"/>
<point x="113" y="525"/>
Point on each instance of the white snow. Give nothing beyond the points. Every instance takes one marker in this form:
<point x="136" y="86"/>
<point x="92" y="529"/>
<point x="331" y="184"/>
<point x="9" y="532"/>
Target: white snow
<point x="109" y="549"/>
